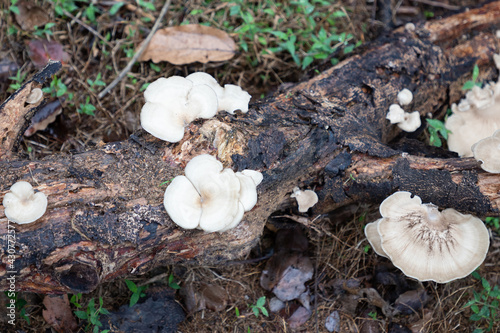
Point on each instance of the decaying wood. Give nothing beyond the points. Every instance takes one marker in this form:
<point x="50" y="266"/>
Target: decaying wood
<point x="106" y="219"/>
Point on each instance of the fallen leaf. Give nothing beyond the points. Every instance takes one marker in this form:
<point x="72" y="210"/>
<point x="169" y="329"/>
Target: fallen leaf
<point x="215" y="297"/>
<point x="41" y="51"/>
<point x="299" y="317"/>
<point x="58" y="313"/>
<point x="30" y="16"/>
<point x="411" y="301"/>
<point x="189" y="43"/>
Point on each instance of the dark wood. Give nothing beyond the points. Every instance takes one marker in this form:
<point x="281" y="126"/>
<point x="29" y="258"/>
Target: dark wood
<point x="106" y="218"/>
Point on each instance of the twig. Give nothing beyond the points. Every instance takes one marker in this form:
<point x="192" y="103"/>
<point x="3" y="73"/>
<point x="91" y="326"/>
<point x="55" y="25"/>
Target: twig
<point x="139" y="52"/>
<point x="86" y="26"/>
<point x="438" y="4"/>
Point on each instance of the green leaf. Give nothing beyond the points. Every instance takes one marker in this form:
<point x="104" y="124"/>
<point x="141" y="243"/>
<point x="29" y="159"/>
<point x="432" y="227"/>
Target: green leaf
<point x="131" y="285"/>
<point x="104" y="311"/>
<point x="261" y="301"/>
<point x="115" y="8"/>
<point x="134" y="299"/>
<point x="264" y="311"/>
<point x="237" y="311"/>
<point x="81" y="314"/>
<point x="468" y="85"/>
<point x="486" y="284"/>
<point x="14" y="9"/>
<point x="475" y="73"/>
<point x="255" y="311"/>
<point x="474" y="308"/>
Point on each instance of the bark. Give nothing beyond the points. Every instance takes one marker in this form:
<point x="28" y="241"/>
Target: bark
<point x="106" y="219"/>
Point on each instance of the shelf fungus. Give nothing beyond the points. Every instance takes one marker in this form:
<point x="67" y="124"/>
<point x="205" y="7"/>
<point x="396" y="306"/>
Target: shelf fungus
<point x="172" y="103"/>
<point x="475" y="117"/>
<point x="209" y="197"/>
<point x="425" y="243"/>
<point x="23" y="205"/>
<point x="488" y="152"/>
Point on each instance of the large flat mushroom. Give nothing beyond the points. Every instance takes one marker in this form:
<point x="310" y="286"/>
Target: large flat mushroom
<point x="428" y="244"/>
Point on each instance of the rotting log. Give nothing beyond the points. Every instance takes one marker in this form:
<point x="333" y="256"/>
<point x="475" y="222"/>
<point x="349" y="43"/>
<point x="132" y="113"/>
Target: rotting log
<point x="106" y="219"/>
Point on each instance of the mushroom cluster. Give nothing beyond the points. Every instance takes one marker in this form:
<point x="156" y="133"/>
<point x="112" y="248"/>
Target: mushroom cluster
<point x="474" y="118"/>
<point x="408" y="122"/>
<point x="425" y="243"/>
<point x="488" y="152"/>
<point x="172" y="103"/>
<point x="23" y="205"/>
<point x="209" y="197"/>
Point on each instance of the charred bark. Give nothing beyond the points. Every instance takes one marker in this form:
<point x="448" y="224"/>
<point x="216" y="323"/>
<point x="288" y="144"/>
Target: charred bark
<point x="106" y="219"/>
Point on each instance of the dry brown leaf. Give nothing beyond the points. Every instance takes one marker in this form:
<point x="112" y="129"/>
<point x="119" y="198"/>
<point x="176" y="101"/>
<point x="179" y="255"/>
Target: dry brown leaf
<point x="31" y="16"/>
<point x="58" y="313"/>
<point x="189" y="43"/>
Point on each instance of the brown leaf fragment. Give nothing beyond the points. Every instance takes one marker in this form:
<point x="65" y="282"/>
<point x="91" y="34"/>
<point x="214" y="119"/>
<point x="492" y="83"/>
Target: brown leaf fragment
<point x="215" y="297"/>
<point x="58" y="313"/>
<point x="299" y="317"/>
<point x="189" y="43"/>
<point x="30" y="16"/>
<point x="41" y="51"/>
<point x="411" y="301"/>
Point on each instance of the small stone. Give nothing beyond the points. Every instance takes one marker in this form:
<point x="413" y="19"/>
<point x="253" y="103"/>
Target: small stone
<point x="332" y="323"/>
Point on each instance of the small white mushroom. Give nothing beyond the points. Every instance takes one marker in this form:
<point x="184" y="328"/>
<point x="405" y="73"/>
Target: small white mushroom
<point x="171" y="104"/>
<point x="209" y="197"/>
<point x="488" y="151"/>
<point x="305" y="199"/>
<point x="408" y="122"/>
<point x="35" y="96"/>
<point x="428" y="244"/>
<point x="23" y="205"/>
<point x="230" y="98"/>
<point x="405" y="97"/>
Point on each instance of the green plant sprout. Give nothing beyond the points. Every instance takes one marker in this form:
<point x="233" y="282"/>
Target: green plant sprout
<point x="97" y="82"/>
<point x="13" y="8"/>
<point x="493" y="222"/>
<point x="92" y="314"/>
<point x="18" y="80"/>
<point x="259" y="307"/>
<point x="436" y="129"/>
<point x="172" y="283"/>
<point x="471" y="83"/>
<point x="485" y="304"/>
<point x="87" y="108"/>
<point x="137" y="292"/>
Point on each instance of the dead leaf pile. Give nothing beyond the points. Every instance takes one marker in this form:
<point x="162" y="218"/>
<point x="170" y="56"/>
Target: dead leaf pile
<point x="189" y="43"/>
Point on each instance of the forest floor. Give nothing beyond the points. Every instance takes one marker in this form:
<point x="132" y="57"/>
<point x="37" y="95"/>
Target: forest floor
<point x="277" y="42"/>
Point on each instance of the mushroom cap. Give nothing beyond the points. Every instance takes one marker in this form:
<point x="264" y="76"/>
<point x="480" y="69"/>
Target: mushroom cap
<point x="173" y="103"/>
<point x="411" y="122"/>
<point x="35" y="96"/>
<point x="396" y="114"/>
<point x="230" y="98"/>
<point x="234" y="98"/>
<point x="405" y="97"/>
<point x="488" y="151"/>
<point x="371" y="233"/>
<point x="23" y="205"/>
<point x="183" y="203"/>
<point x="249" y="179"/>
<point x="210" y="197"/>
<point x="476" y="117"/>
<point x="305" y="199"/>
<point x="427" y="244"/>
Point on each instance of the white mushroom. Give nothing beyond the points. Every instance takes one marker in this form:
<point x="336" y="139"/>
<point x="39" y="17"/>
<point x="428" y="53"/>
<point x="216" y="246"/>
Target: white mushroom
<point x="371" y="233"/>
<point x="405" y="97"/>
<point x="23" y="205"/>
<point x="427" y="244"/>
<point x="173" y="103"/>
<point x="209" y="197"/>
<point x="230" y="98"/>
<point x="488" y="151"/>
<point x="305" y="199"/>
<point x="35" y="96"/>
<point x="476" y="117"/>
<point x="408" y="122"/>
